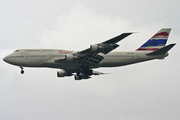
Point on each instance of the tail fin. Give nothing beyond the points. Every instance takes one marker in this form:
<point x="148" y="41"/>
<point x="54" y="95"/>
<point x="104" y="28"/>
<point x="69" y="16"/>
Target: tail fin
<point x="157" y="41"/>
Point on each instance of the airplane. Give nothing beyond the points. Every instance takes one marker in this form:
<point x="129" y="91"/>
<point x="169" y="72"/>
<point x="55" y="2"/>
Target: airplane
<point x="80" y="64"/>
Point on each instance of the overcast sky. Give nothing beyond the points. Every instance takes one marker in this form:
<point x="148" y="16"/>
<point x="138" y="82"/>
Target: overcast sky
<point x="143" y="91"/>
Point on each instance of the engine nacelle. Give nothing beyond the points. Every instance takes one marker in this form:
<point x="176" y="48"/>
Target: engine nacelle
<point x="81" y="76"/>
<point x="95" y="48"/>
<point x="70" y="57"/>
<point x="63" y="73"/>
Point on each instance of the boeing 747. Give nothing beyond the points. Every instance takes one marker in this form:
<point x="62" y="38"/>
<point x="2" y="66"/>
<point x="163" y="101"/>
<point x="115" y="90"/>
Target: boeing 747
<point x="81" y="63"/>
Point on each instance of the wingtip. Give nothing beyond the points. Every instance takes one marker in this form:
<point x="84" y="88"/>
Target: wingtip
<point x="129" y="33"/>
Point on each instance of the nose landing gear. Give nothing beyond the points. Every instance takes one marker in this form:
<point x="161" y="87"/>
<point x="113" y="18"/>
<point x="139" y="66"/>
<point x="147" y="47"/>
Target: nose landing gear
<point x="22" y="71"/>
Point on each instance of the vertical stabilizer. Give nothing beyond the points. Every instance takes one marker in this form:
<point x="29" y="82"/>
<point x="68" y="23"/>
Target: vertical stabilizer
<point x="157" y="41"/>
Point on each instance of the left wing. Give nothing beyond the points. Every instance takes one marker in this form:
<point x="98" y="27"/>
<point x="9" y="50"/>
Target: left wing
<point x="95" y="54"/>
<point x="105" y="47"/>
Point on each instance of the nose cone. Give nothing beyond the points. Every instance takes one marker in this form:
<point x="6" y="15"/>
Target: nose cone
<point x="8" y="60"/>
<point x="5" y="59"/>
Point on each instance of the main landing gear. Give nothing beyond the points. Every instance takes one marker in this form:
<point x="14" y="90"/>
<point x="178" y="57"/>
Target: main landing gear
<point x="22" y="71"/>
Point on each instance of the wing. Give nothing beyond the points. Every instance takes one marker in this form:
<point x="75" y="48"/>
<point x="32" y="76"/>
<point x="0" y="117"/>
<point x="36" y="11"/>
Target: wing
<point x="89" y="58"/>
<point x="105" y="47"/>
<point x="95" y="54"/>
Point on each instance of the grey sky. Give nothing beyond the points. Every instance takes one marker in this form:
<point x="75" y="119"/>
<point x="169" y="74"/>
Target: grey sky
<point x="144" y="91"/>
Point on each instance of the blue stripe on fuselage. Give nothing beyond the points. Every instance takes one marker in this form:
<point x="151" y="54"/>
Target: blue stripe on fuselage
<point x="155" y="42"/>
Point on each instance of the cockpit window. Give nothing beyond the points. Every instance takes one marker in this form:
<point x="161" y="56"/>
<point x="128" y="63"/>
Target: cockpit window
<point x="17" y="51"/>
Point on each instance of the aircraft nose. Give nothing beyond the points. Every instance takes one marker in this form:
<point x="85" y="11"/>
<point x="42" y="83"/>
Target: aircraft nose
<point x="5" y="59"/>
<point x="8" y="60"/>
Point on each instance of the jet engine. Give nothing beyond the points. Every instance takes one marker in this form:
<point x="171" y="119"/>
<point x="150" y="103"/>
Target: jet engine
<point x="85" y="75"/>
<point x="80" y="77"/>
<point x="63" y="73"/>
<point x="96" y="48"/>
<point x="70" y="57"/>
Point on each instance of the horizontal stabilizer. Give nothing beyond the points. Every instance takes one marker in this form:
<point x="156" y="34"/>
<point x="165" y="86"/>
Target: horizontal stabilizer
<point x="162" y="50"/>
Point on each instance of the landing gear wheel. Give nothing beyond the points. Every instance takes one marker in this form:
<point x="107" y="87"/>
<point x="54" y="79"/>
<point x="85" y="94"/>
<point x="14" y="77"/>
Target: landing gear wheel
<point x="22" y="71"/>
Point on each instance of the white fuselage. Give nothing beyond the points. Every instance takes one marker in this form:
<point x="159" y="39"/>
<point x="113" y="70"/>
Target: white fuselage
<point x="47" y="58"/>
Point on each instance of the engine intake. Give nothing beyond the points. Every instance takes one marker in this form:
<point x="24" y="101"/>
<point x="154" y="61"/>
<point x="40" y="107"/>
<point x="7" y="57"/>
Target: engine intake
<point x="63" y="73"/>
